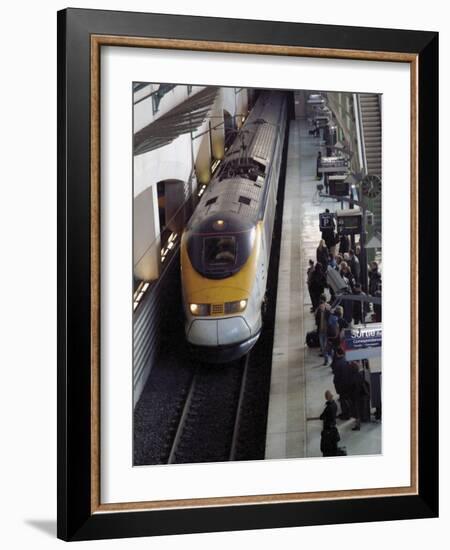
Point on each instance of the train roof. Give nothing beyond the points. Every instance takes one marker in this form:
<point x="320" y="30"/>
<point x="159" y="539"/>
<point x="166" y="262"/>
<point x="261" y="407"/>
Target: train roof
<point x="239" y="194"/>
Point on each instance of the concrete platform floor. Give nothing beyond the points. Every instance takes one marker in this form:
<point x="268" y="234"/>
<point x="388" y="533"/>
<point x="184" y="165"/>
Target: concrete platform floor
<point x="299" y="379"/>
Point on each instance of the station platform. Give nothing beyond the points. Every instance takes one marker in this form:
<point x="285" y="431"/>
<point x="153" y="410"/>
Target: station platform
<point x="299" y="379"/>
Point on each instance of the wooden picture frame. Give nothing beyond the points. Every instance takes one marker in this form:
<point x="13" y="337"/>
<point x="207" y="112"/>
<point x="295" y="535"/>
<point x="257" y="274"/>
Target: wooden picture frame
<point x="81" y="35"/>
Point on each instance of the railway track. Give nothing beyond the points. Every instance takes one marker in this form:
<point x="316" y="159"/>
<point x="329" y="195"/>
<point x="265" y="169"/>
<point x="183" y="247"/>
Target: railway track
<point x="209" y="424"/>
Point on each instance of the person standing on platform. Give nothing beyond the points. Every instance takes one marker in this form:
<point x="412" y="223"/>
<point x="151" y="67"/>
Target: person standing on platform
<point x="328" y="234"/>
<point x="353" y="385"/>
<point x="309" y="277"/>
<point x="322" y="315"/>
<point x="322" y="255"/>
<point x="377" y="307"/>
<point x="341" y="380"/>
<point x="333" y="333"/>
<point x="329" y="413"/>
<point x="329" y="437"/>
<point x="331" y="242"/>
<point x="346" y="274"/>
<point x="374" y="278"/>
<point x="344" y="244"/>
<point x="360" y="394"/>
<point x="317" y="285"/>
<point x="360" y="308"/>
<point x="348" y="309"/>
<point x="354" y="265"/>
<point x="342" y="325"/>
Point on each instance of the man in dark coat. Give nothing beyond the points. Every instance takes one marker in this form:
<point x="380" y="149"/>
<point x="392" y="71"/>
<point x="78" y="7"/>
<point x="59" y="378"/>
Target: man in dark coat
<point x="342" y="383"/>
<point x="322" y="255"/>
<point x="317" y="283"/>
<point x="348" y="309"/>
<point x="330" y="240"/>
<point x="309" y="274"/>
<point x="360" y="394"/>
<point x="330" y="435"/>
<point x="328" y="415"/>
<point x="344" y="245"/>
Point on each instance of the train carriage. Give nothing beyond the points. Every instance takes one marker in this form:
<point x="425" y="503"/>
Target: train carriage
<point x="225" y="248"/>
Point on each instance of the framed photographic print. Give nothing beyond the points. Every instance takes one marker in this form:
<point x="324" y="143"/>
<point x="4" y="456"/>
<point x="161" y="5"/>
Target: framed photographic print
<point x="246" y="326"/>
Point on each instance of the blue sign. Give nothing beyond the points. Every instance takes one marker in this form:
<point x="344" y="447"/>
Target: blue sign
<point x="362" y="342"/>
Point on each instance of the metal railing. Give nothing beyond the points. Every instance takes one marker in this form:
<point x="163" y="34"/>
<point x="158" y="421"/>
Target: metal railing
<point x="360" y="134"/>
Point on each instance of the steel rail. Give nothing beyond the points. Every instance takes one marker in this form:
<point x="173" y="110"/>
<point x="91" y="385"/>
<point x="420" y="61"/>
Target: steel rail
<point x="184" y="414"/>
<point x="237" y="422"/>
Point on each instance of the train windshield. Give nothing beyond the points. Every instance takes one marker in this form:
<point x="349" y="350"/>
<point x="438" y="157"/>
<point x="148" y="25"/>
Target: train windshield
<point x="220" y="245"/>
<point x="219" y="252"/>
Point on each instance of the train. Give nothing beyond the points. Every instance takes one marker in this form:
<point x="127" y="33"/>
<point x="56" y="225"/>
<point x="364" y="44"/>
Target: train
<point x="225" y="247"/>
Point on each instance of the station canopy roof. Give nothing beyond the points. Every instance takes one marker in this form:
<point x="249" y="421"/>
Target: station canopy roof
<point x="182" y="119"/>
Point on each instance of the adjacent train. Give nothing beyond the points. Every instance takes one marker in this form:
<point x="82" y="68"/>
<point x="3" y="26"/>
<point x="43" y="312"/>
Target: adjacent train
<point x="225" y="248"/>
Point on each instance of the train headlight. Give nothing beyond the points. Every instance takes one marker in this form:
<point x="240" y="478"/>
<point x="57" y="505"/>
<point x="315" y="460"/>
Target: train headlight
<point x="199" y="309"/>
<point x="235" y="307"/>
